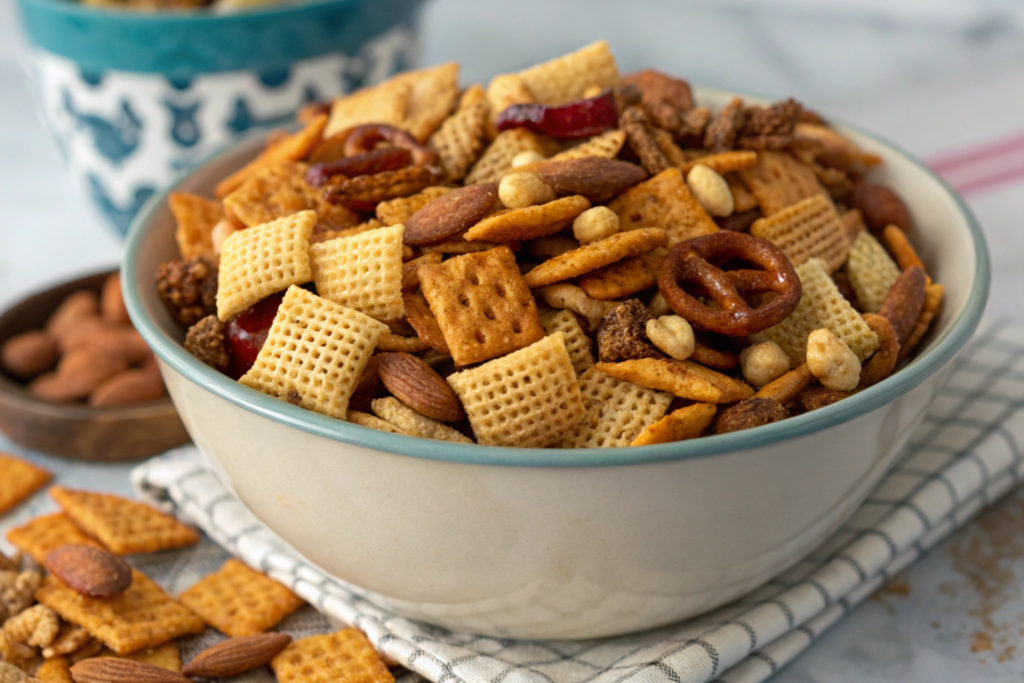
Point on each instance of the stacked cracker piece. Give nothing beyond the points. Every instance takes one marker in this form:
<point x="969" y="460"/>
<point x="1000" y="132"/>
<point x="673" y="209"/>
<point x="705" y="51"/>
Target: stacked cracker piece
<point x="499" y="258"/>
<point x="66" y="616"/>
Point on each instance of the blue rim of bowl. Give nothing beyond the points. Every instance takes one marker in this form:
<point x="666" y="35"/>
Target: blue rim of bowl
<point x="198" y="15"/>
<point x="877" y="396"/>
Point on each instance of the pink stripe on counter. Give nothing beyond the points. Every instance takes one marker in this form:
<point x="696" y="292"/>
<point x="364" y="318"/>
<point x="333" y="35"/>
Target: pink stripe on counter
<point x="956" y="160"/>
<point x="987" y="181"/>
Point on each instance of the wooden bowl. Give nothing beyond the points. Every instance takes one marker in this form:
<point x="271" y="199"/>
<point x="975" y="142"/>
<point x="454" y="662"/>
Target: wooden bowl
<point x="76" y="430"/>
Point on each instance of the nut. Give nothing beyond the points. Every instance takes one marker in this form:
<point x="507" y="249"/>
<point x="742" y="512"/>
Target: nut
<point x="753" y="412"/>
<point x="596" y="178"/>
<point x="763" y="363"/>
<point x="135" y="385"/>
<point x="417" y="385"/>
<point x="905" y="301"/>
<point x="573" y="298"/>
<point x="832" y="362"/>
<point x="363" y="193"/>
<point x="658" y="306"/>
<point x="449" y="214"/>
<point x="522" y="190"/>
<point x="90" y="571"/>
<point x="673" y="335"/>
<point x="113" y="670"/>
<point x="237" y="655"/>
<point x="36" y="627"/>
<point x="812" y="398"/>
<point x="112" y="308"/>
<point x="26" y="355"/>
<point x="595" y="224"/>
<point x="224" y="229"/>
<point x="621" y="335"/>
<point x="79" y="305"/>
<point x="527" y="157"/>
<point x="711" y="190"/>
<point x="78" y="373"/>
<point x="880" y="206"/>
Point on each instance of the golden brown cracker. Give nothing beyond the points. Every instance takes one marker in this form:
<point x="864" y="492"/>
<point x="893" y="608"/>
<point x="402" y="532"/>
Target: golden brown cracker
<point x="328" y="235"/>
<point x="505" y="90"/>
<point x="901" y="249"/>
<point x="396" y="342"/>
<point x="411" y="270"/>
<point x="434" y="94"/>
<point x="55" y="670"/>
<point x="778" y="180"/>
<point x="688" y="422"/>
<point x="723" y="162"/>
<point x="343" y="657"/>
<point x="417" y="312"/>
<point x="384" y="103"/>
<point x="664" y="201"/>
<point x="742" y="198"/>
<point x="281" y="190"/>
<point x="628" y="276"/>
<point x="785" y="388"/>
<point x="680" y="378"/>
<point x="530" y="223"/>
<point x="49" y="532"/>
<point x="195" y="217"/>
<point x="292" y="147"/>
<point x="19" y="479"/>
<point x="592" y="256"/>
<point x="566" y="78"/>
<point x="166" y="656"/>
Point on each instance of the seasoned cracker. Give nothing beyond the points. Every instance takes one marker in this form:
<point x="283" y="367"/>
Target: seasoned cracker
<point x="901" y="248"/>
<point x="314" y="354"/>
<point x="723" y="162"/>
<point x="264" y="260"/>
<point x="688" y="422"/>
<point x="871" y="272"/>
<point x="529" y="398"/>
<point x="141" y="617"/>
<point x="566" y="78"/>
<point x="783" y="389"/>
<point x="166" y="656"/>
<point x="681" y="378"/>
<point x="433" y="95"/>
<point x="592" y="256"/>
<point x="530" y="223"/>
<point x="457" y="245"/>
<point x="410" y="422"/>
<point x="778" y="180"/>
<point x="69" y="640"/>
<point x="932" y="303"/>
<point x="383" y="103"/>
<point x="343" y="657"/>
<point x="617" y="411"/>
<point x="496" y="160"/>
<point x="606" y="145"/>
<point x="19" y="479"/>
<point x="124" y="526"/>
<point x="577" y="343"/>
<point x="43" y="534"/>
<point x="395" y="211"/>
<point x="419" y="315"/>
<point x="292" y="147"/>
<point x="55" y="670"/>
<point x="281" y="190"/>
<point x="396" y="342"/>
<point x="362" y="272"/>
<point x="482" y="305"/>
<point x="461" y="140"/>
<point x="821" y="306"/>
<point x="373" y="422"/>
<point x="811" y="228"/>
<point x="410" y="271"/>
<point x="666" y="202"/>
<point x="743" y="199"/>
<point x="195" y="217"/>
<point x="628" y="276"/>
<point x="240" y="601"/>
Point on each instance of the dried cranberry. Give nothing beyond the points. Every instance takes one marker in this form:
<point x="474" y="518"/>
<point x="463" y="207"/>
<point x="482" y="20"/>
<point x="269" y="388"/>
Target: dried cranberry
<point x="247" y="332"/>
<point x="366" y="163"/>
<point x="579" y="119"/>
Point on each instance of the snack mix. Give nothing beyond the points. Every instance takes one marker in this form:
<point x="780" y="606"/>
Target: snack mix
<point x="568" y="258"/>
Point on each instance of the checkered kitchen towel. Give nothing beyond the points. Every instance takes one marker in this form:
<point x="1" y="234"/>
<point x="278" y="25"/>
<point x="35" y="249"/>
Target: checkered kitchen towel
<point x="964" y="457"/>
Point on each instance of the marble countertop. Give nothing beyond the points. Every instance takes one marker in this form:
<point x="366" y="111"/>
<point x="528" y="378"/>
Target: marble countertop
<point x="942" y="78"/>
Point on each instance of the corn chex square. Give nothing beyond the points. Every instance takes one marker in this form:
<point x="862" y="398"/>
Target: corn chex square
<point x="808" y="229"/>
<point x="343" y="657"/>
<point x="871" y="272"/>
<point x="666" y="202"/>
<point x="19" y="479"/>
<point x="143" y="616"/>
<point x="617" y="411"/>
<point x="47" y="533"/>
<point x="528" y="399"/>
<point x="240" y="601"/>
<point x="577" y="343"/>
<point x="821" y="306"/>
<point x="605" y="145"/>
<point x="778" y="180"/>
<point x="314" y="354"/>
<point x="496" y="160"/>
<point x="362" y="272"/>
<point x="124" y="526"/>
<point x="260" y="261"/>
<point x="482" y="305"/>
<point x="566" y="78"/>
<point x="461" y="139"/>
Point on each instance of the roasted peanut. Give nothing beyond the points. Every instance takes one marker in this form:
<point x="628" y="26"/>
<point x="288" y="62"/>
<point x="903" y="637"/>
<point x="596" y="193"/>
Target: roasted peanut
<point x="658" y="306"/>
<point x="595" y="224"/>
<point x="711" y="190"/>
<point x="527" y="157"/>
<point x="763" y="363"/>
<point x="28" y="354"/>
<point x="672" y="335"/>
<point x="223" y="230"/>
<point x="521" y="190"/>
<point x="112" y="308"/>
<point x="575" y="299"/>
<point x="832" y="362"/>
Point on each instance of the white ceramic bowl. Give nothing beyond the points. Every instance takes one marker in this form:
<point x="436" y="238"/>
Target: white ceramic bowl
<point x="532" y="543"/>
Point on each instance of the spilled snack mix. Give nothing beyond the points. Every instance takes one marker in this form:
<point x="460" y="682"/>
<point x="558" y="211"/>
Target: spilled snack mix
<point x="567" y="258"/>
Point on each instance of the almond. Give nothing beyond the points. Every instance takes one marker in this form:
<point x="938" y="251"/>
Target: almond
<point x="596" y="178"/>
<point x="904" y="302"/>
<point x="418" y="386"/>
<point x="90" y="571"/>
<point x="237" y="655"/>
<point x="450" y="214"/>
<point x="113" y="670"/>
<point x="880" y="206"/>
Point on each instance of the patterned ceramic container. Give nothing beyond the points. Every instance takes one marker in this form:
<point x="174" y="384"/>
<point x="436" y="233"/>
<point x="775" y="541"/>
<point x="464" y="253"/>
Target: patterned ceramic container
<point x="134" y="99"/>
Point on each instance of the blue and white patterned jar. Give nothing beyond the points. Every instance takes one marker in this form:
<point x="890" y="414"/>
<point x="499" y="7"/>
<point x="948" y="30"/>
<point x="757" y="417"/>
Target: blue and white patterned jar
<point x="133" y="99"/>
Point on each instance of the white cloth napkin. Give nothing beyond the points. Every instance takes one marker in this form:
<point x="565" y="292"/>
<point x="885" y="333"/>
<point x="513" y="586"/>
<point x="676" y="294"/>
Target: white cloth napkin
<point x="964" y="456"/>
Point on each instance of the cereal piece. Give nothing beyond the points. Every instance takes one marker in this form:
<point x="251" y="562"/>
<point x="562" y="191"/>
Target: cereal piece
<point x="395" y="211"/>
<point x="522" y="190"/>
<point x="90" y="649"/>
<point x="506" y="90"/>
<point x="528" y="398"/>
<point x="763" y="363"/>
<point x="166" y="656"/>
<point x="530" y="222"/>
<point x="482" y="305"/>
<point x="544" y="248"/>
<point x="811" y="228"/>
<point x="363" y="272"/>
<point x="434" y="93"/>
<point x="410" y="271"/>
<point x="281" y="190"/>
<point x="664" y="201"/>
<point x="364" y="192"/>
<point x="832" y="362"/>
<point x="577" y="343"/>
<point x="458" y="246"/>
<point x="668" y="148"/>
<point x="595" y="224"/>
<point x="496" y="160"/>
<point x="622" y="333"/>
<point x="575" y="299"/>
<point x="343" y="657"/>
<point x="195" y="217"/>
<point x="871" y="272"/>
<point x="901" y="248"/>
<point x="419" y="315"/>
<point x="617" y="411"/>
<point x="383" y="103"/>
<point x="606" y="145"/>
<point x="883" y="361"/>
<point x="19" y="479"/>
<point x="143" y="616"/>
<point x="408" y="421"/>
<point x="778" y="180"/>
<point x="711" y="190"/>
<point x="36" y="626"/>
<point x="9" y="673"/>
<point x="688" y="422"/>
<point x="596" y="254"/>
<point x="43" y="534"/>
<point x="461" y="140"/>
<point x="314" y="354"/>
<point x="123" y="526"/>
<point x="69" y="639"/>
<point x="54" y="670"/>
<point x="753" y="412"/>
<point x="723" y="162"/>
<point x="672" y="335"/>
<point x="240" y="601"/>
<point x="932" y="303"/>
<point x="821" y="306"/>
<point x="783" y="389"/>
<point x="680" y="378"/>
<point x="264" y="260"/>
<point x="743" y="199"/>
<point x="289" y="148"/>
<point x="565" y="78"/>
<point x="372" y="422"/>
<point x="624" y="277"/>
